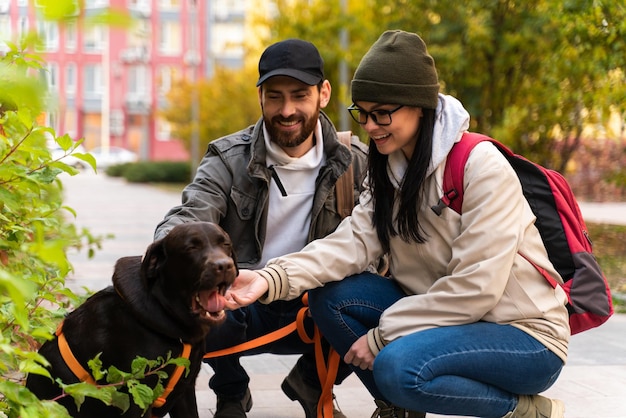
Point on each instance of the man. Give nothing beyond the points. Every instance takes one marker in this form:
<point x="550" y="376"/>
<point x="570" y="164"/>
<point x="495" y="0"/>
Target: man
<point x="271" y="186"/>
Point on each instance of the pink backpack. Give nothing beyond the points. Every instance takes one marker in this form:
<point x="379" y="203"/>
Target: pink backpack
<point x="559" y="222"/>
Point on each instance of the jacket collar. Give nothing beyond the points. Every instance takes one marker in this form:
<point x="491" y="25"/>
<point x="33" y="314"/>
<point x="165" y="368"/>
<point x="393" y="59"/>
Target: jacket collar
<point x="338" y="157"/>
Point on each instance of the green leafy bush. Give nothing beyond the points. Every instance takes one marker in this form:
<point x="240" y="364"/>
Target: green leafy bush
<point x="117" y="170"/>
<point x="36" y="232"/>
<point x="155" y="172"/>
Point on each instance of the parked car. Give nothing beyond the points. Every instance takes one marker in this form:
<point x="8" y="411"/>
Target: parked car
<point x="112" y="156"/>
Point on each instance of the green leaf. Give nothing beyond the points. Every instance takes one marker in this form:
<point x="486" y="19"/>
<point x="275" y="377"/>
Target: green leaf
<point x="16" y="392"/>
<point x="58" y="9"/>
<point x="88" y="158"/>
<point x="120" y="400"/>
<point x="139" y="366"/>
<point x="79" y="391"/>
<point x="30" y="367"/>
<point x="95" y="365"/>
<point x="115" y="375"/>
<point x="142" y="395"/>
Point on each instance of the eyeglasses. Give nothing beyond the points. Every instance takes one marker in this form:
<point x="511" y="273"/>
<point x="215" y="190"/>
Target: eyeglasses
<point x="380" y="117"/>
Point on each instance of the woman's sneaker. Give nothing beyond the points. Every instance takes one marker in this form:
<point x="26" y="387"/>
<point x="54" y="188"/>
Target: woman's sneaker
<point x="537" y="406"/>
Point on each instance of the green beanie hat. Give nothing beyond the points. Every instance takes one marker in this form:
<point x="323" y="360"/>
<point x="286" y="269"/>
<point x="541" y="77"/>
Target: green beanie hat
<point x="397" y="70"/>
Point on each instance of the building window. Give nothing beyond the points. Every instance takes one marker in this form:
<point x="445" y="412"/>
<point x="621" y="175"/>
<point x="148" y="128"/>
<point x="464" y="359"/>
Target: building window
<point x="71" y="36"/>
<point x="170" y="42"/>
<point x="22" y="26"/>
<point x="49" y="35"/>
<point x="4" y="6"/>
<point x="138" y="82"/>
<point x="52" y="120"/>
<point x="51" y="76"/>
<point x="169" y="4"/>
<point x="93" y="39"/>
<point x="92" y="4"/>
<point x="5" y="32"/>
<point x="163" y="130"/>
<point x="143" y="6"/>
<point x="93" y="81"/>
<point x="70" y="79"/>
<point x="166" y="77"/>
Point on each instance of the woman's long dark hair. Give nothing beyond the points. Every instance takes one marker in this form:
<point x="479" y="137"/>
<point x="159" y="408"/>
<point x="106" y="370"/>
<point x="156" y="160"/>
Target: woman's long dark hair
<point x="411" y="189"/>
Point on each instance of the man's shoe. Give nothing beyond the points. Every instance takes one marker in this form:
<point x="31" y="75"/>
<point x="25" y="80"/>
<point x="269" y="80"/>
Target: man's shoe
<point x="387" y="410"/>
<point x="297" y="389"/>
<point x="537" y="406"/>
<point x="233" y="408"/>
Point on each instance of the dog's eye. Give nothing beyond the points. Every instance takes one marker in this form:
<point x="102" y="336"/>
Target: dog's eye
<point x="194" y="244"/>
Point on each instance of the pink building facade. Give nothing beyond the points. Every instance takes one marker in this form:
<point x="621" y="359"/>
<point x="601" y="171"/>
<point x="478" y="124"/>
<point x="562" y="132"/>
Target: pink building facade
<point x="108" y="84"/>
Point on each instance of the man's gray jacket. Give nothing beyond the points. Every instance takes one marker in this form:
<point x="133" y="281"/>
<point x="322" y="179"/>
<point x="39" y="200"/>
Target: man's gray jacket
<point x="232" y="182"/>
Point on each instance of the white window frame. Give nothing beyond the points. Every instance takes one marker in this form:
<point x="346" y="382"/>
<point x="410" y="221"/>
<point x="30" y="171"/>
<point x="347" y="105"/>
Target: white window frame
<point x="71" y="79"/>
<point x="166" y="46"/>
<point x="93" y="39"/>
<point x="93" y="83"/>
<point x="71" y="36"/>
<point x="49" y="34"/>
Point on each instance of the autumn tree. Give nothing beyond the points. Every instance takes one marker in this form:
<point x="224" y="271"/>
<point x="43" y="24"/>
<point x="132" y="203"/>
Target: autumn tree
<point x="226" y="103"/>
<point x="534" y="74"/>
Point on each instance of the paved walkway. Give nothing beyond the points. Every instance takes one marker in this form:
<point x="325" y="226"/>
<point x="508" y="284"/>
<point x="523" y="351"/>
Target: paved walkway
<point x="592" y="385"/>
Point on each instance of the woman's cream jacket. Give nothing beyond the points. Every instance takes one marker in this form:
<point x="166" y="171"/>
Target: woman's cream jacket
<point x="470" y="268"/>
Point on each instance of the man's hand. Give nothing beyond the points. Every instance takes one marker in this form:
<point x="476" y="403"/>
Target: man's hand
<point x="360" y="355"/>
<point x="246" y="289"/>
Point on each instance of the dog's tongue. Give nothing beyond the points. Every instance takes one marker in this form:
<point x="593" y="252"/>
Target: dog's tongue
<point x="211" y="300"/>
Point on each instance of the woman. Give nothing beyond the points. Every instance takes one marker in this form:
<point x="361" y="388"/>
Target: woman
<point x="464" y="325"/>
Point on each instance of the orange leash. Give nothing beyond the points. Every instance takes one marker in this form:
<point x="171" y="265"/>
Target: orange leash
<point x="297" y="325"/>
<point x="326" y="373"/>
<point x="257" y="342"/>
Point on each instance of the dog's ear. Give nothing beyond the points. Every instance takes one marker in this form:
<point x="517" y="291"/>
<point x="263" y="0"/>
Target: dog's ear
<point x="152" y="262"/>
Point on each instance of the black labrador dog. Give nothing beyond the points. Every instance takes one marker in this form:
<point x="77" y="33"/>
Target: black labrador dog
<point x="173" y="295"/>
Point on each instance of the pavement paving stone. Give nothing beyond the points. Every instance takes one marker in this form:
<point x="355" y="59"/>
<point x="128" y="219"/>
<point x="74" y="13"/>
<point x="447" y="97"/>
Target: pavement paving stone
<point x="592" y="384"/>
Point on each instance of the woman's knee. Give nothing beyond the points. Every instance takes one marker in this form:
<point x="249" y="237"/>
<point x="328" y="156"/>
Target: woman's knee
<point x="332" y="294"/>
<point x="392" y="375"/>
<point x="319" y="299"/>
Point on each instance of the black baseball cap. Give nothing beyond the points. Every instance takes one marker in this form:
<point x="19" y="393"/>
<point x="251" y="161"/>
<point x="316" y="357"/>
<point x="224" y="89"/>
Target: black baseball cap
<point x="293" y="58"/>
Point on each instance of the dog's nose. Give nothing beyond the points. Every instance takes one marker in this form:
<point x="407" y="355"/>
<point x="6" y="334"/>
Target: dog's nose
<point x="223" y="264"/>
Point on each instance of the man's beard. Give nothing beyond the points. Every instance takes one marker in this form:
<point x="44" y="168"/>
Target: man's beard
<point x="291" y="139"/>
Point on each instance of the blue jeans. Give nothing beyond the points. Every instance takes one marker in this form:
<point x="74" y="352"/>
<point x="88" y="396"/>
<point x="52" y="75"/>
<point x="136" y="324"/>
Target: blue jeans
<point x="473" y="370"/>
<point x="230" y="379"/>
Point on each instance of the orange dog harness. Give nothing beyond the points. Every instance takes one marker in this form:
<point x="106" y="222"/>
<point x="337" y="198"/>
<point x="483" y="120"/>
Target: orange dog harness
<point x="84" y="376"/>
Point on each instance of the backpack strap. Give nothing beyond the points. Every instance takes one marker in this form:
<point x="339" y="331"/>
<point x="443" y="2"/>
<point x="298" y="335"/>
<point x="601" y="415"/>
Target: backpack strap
<point x="345" y="184"/>
<point x="454" y="172"/>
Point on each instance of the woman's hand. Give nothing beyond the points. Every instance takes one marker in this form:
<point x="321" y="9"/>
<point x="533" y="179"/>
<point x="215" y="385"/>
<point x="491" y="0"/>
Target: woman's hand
<point x="360" y="355"/>
<point x="246" y="289"/>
